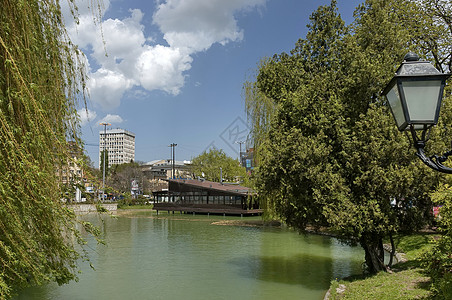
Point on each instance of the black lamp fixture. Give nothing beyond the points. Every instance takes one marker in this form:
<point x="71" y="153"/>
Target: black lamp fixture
<point x="414" y="95"/>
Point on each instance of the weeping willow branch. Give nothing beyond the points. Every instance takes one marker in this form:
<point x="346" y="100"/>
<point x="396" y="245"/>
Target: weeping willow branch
<point x="259" y="110"/>
<point x="42" y="78"/>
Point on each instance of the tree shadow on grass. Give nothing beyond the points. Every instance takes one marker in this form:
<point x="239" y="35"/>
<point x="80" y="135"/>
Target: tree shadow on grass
<point x="407" y="265"/>
<point x="413" y="242"/>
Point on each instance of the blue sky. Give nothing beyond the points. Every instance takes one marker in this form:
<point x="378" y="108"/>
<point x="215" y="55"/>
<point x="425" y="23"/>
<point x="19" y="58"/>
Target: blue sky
<point x="172" y="71"/>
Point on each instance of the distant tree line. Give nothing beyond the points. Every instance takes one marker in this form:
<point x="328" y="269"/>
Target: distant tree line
<point x="215" y="165"/>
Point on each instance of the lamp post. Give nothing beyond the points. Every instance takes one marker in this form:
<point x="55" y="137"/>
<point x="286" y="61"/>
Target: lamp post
<point x="105" y="149"/>
<point x="414" y="95"/>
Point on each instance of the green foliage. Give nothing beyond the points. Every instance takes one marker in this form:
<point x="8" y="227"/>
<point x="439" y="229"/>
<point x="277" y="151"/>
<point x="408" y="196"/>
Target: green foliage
<point x="41" y="80"/>
<point x="438" y="260"/>
<point x="130" y="202"/>
<point x="259" y="109"/>
<point x="207" y="165"/>
<point x="328" y="151"/>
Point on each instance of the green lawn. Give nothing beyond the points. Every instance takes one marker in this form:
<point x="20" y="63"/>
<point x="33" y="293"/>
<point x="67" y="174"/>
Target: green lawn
<point x="407" y="280"/>
<point x="148" y="206"/>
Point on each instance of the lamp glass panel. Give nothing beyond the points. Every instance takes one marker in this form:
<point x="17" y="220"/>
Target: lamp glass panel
<point x="422" y="99"/>
<point x="396" y="105"/>
<point x="417" y="127"/>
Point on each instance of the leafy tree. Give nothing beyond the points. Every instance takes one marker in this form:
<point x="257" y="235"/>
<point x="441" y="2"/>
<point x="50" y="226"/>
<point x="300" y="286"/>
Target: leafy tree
<point x="329" y="154"/>
<point x="208" y="164"/>
<point x="41" y="81"/>
<point x="122" y="175"/>
<point x="438" y="260"/>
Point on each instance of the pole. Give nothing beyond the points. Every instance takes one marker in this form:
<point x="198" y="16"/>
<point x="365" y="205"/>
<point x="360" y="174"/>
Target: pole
<point x="171" y="159"/>
<point x="240" y="153"/>
<point x="105" y="150"/>
<point x="173" y="154"/>
<point x="174" y="160"/>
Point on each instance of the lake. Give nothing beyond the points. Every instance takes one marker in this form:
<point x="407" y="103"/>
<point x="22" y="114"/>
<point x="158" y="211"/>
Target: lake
<point x="189" y="257"/>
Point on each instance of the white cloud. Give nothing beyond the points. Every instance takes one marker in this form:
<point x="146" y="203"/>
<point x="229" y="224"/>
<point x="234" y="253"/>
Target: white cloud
<point x="86" y="116"/>
<point x="198" y="24"/>
<point x="122" y="56"/>
<point x="112" y="119"/>
<point x="162" y="68"/>
<point x="107" y="87"/>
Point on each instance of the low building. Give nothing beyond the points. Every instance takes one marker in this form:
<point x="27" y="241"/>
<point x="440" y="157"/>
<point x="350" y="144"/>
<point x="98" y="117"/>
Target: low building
<point x="159" y="171"/>
<point x="201" y="196"/>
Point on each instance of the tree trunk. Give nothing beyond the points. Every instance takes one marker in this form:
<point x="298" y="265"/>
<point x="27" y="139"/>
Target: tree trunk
<point x="393" y="250"/>
<point x="374" y="253"/>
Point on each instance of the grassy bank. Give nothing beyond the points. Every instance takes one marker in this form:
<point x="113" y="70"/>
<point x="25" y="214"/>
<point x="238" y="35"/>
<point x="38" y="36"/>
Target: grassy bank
<point x="406" y="281"/>
<point x="145" y="206"/>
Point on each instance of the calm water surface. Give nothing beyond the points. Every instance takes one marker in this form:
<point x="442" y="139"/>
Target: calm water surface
<point x="186" y="257"/>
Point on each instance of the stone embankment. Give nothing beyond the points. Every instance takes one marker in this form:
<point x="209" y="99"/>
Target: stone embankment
<point x="87" y="208"/>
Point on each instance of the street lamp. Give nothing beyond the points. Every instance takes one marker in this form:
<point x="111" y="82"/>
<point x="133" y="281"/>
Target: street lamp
<point x="414" y="95"/>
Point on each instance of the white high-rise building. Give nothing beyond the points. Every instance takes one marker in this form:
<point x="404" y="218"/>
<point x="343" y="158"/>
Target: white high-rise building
<point x="120" y="145"/>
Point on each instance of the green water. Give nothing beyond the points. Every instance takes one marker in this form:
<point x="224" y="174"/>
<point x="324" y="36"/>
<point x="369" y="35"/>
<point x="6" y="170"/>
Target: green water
<point x="186" y="257"/>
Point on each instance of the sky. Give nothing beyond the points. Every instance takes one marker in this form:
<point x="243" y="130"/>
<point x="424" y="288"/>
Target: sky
<point x="172" y="71"/>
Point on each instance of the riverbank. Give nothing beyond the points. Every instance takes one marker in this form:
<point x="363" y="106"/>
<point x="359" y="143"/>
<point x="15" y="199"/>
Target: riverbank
<point x="405" y="281"/>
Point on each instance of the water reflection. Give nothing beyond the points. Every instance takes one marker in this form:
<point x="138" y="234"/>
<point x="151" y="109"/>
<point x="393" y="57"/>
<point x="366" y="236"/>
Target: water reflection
<point x="185" y="257"/>
<point x="310" y="261"/>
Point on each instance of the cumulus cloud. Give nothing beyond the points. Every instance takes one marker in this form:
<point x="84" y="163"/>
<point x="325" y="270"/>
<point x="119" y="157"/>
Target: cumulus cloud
<point x="107" y="87"/>
<point x="198" y="24"/>
<point x="86" y="116"/>
<point x="112" y="119"/>
<point x="122" y="56"/>
<point x="162" y="68"/>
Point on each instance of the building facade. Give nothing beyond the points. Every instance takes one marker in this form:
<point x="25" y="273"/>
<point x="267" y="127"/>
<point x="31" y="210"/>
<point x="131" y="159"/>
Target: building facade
<point x="120" y="146"/>
<point x="158" y="171"/>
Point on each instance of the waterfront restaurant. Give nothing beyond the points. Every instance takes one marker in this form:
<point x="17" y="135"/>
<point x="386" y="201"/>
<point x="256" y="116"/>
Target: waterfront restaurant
<point x="202" y="196"/>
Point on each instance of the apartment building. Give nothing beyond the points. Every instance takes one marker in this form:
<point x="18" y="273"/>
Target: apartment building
<point x="120" y="145"/>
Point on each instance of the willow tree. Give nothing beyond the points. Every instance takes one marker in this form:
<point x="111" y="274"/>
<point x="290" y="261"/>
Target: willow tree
<point x="331" y="155"/>
<point x="41" y="80"/>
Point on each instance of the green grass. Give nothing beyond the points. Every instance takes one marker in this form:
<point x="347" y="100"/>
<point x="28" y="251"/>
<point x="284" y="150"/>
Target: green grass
<point x="406" y="282"/>
<point x="413" y="245"/>
<point x="149" y="206"/>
